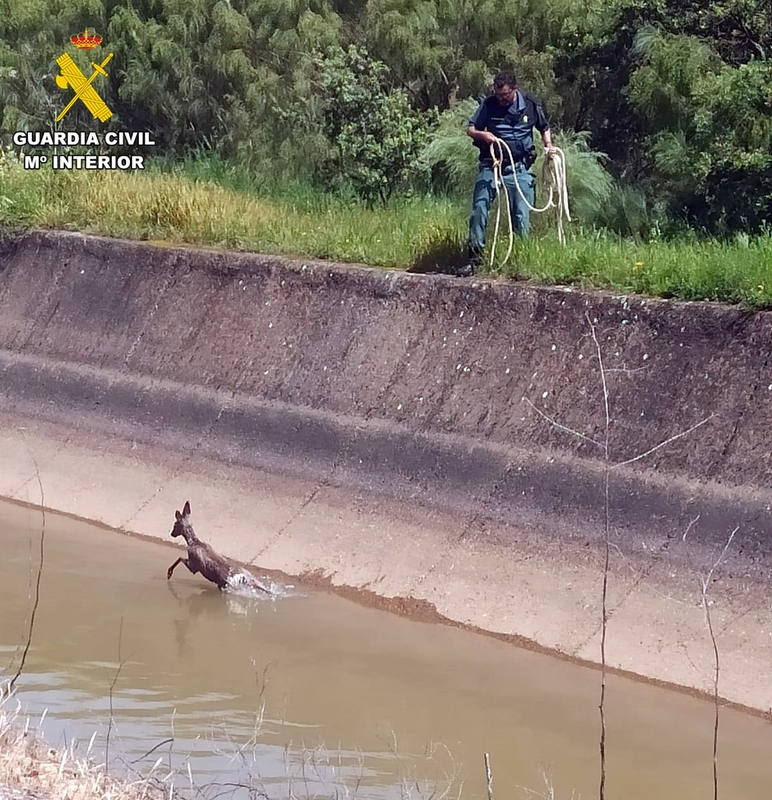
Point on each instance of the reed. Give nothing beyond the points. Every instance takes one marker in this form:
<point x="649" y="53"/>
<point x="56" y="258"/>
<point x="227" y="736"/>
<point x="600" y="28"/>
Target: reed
<point x="30" y="768"/>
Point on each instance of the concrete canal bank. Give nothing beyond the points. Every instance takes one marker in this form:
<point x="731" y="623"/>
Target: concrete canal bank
<point x="419" y="437"/>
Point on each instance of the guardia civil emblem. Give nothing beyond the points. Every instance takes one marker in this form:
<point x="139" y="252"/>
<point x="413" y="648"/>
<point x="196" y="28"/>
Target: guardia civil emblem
<point x="73" y="78"/>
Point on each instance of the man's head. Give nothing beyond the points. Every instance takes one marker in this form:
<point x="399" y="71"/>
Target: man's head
<point x="504" y="85"/>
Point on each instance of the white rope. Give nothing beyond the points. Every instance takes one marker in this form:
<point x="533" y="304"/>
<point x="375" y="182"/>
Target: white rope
<point x="501" y="186"/>
<point x="553" y="173"/>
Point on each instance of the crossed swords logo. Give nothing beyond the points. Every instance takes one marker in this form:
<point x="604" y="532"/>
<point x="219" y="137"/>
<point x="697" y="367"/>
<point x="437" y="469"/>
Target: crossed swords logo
<point x="84" y="91"/>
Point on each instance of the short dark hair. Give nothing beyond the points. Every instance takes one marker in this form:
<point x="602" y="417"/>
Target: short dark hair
<point x="504" y="79"/>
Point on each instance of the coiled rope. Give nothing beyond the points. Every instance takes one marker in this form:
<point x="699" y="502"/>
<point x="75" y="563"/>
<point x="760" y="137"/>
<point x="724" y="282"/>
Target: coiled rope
<point x="553" y="174"/>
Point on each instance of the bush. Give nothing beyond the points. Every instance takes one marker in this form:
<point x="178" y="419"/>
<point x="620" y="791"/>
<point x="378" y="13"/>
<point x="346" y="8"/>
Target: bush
<point x="375" y="133"/>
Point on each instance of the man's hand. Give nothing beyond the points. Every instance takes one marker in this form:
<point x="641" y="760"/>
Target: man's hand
<point x="481" y="137"/>
<point x="549" y="151"/>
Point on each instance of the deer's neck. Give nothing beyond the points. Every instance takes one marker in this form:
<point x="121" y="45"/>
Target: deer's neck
<point x="190" y="538"/>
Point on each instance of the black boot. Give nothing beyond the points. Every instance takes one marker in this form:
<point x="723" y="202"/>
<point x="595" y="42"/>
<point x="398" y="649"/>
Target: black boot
<point x="472" y="267"/>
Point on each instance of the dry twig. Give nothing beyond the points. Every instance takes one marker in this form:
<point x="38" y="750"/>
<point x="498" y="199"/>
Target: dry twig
<point x="36" y="603"/>
<point x="112" y="688"/>
<point x="606" y="560"/>
<point x="717" y="666"/>
<point x="489" y="776"/>
<point x="608" y="466"/>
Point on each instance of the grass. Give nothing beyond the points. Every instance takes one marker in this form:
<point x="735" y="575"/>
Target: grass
<point x="29" y="768"/>
<point x="734" y="272"/>
<point x="203" y="205"/>
<point x="176" y="208"/>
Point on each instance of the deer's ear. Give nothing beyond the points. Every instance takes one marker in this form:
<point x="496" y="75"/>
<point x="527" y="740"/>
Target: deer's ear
<point x="186" y="510"/>
<point x="178" y="515"/>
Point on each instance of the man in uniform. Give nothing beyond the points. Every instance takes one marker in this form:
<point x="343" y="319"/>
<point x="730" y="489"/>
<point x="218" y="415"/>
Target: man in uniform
<point x="509" y="114"/>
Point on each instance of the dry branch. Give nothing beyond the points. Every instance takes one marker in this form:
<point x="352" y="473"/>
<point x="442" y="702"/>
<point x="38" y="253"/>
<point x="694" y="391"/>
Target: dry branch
<point x="608" y="466"/>
<point x="36" y="603"/>
<point x="717" y="665"/>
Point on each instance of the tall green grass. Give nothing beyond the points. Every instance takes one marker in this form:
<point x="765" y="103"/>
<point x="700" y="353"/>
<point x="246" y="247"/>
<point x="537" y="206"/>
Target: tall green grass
<point x="737" y="271"/>
<point x="211" y="203"/>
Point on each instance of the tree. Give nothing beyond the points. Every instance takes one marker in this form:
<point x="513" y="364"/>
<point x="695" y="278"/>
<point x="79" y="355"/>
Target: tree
<point x="32" y="36"/>
<point x="675" y="91"/>
<point x="443" y="50"/>
<point x="738" y="30"/>
<point x="709" y="131"/>
<point x="374" y="132"/>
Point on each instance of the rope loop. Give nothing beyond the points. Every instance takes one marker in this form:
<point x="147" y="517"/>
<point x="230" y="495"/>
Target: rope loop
<point x="553" y="174"/>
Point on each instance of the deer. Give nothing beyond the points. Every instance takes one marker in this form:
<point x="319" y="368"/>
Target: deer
<point x="203" y="558"/>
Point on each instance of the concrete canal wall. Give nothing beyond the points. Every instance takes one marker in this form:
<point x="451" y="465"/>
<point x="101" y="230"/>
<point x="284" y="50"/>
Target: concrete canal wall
<point x="481" y="400"/>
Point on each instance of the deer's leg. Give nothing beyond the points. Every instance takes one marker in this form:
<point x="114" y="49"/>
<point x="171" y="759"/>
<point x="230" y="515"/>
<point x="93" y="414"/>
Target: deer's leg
<point x="172" y="568"/>
<point x="180" y="560"/>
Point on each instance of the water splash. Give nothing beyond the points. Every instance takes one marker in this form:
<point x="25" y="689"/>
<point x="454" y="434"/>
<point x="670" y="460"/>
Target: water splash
<point x="245" y="584"/>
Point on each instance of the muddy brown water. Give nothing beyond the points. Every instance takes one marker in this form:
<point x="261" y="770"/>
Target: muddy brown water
<point x="314" y="691"/>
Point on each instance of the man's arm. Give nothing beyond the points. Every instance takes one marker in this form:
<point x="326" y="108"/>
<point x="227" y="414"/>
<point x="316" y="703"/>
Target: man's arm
<point x="543" y="126"/>
<point x="484" y="137"/>
<point x="477" y="125"/>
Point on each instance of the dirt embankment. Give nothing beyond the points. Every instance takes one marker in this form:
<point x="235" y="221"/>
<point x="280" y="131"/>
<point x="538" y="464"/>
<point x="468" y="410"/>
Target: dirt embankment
<point x="480" y="400"/>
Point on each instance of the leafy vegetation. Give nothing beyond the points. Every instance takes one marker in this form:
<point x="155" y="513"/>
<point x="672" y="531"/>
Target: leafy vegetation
<point x="372" y="135"/>
<point x="664" y="107"/>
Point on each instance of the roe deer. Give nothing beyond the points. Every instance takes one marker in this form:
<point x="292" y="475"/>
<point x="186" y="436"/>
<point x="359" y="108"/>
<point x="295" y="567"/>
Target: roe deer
<point x="202" y="558"/>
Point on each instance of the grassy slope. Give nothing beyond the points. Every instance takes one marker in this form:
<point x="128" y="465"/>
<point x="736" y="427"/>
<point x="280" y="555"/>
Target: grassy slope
<point x="295" y="221"/>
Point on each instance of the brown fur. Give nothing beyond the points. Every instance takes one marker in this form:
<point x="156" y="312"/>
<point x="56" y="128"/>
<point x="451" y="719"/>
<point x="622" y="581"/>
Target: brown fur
<point x="201" y="557"/>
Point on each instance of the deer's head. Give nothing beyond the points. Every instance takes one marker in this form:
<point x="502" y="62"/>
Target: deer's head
<point x="182" y="526"/>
